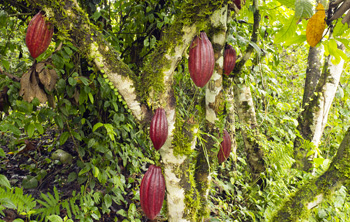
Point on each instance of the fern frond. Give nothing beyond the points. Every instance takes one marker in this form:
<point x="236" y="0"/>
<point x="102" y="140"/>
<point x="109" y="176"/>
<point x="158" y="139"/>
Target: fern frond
<point x="22" y="203"/>
<point x="51" y="205"/>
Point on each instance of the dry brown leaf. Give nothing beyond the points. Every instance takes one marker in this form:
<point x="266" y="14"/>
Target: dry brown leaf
<point x="30" y="88"/>
<point x="51" y="100"/>
<point x="48" y="78"/>
<point x="39" y="67"/>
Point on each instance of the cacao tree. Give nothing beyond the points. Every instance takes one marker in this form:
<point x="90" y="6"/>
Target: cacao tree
<point x="213" y="145"/>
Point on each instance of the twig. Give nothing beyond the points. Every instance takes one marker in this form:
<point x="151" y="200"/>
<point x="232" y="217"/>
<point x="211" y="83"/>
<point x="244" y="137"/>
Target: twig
<point x="14" y="78"/>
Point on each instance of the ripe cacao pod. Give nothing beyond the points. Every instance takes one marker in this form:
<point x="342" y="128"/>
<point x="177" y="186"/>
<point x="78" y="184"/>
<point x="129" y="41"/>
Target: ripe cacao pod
<point x="225" y="147"/>
<point x="239" y="3"/>
<point x="159" y="128"/>
<point x="39" y="35"/>
<point x="152" y="191"/>
<point x="229" y="59"/>
<point x="201" y="60"/>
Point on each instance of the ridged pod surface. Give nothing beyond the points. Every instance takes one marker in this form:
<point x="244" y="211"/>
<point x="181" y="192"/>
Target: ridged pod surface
<point x="159" y="128"/>
<point x="229" y="59"/>
<point x="152" y="191"/>
<point x="39" y="35"/>
<point x="201" y="60"/>
<point x="225" y="147"/>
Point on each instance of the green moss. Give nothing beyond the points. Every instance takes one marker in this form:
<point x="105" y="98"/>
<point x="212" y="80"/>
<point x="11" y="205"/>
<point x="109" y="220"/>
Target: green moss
<point x="152" y="78"/>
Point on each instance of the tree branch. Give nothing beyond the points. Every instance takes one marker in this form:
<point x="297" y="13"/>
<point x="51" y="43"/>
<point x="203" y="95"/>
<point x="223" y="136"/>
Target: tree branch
<point x="14" y="78"/>
<point x="254" y="39"/>
<point x="313" y="193"/>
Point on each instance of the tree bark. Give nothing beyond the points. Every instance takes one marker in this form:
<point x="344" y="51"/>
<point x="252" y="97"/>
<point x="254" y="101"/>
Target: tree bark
<point x="247" y="116"/>
<point x="213" y="104"/>
<point x="298" y="205"/>
<point x="313" y="118"/>
<point x="313" y="73"/>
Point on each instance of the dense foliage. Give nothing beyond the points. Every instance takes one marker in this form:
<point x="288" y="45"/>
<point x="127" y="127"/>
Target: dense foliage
<point x="82" y="156"/>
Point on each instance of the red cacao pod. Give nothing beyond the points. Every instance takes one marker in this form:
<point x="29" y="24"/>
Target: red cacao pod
<point x="229" y="59"/>
<point x="152" y="191"/>
<point x="159" y="128"/>
<point x="239" y="3"/>
<point x="39" y="35"/>
<point x="201" y="60"/>
<point x="225" y="147"/>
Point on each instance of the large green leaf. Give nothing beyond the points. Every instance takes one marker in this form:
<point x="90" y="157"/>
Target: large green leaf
<point x="288" y="3"/>
<point x="287" y="31"/>
<point x="303" y="9"/>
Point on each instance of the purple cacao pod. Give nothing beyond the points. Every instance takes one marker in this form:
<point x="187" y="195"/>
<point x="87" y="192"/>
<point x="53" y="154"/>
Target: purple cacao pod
<point x="201" y="60"/>
<point x="159" y="128"/>
<point x="39" y="35"/>
<point x="229" y="59"/>
<point x="152" y="191"/>
<point x="225" y="147"/>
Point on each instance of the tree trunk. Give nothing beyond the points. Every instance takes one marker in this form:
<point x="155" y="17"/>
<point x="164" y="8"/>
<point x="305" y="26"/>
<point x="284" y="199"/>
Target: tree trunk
<point x="213" y="104"/>
<point x="298" y="205"/>
<point x="313" y="73"/>
<point x="247" y="116"/>
<point x="313" y="118"/>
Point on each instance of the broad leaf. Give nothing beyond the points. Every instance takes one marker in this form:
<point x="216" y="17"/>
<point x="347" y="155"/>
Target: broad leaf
<point x="303" y="9"/>
<point x="287" y="31"/>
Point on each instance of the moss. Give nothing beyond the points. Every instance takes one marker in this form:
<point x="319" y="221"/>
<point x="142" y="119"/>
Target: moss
<point x="152" y="78"/>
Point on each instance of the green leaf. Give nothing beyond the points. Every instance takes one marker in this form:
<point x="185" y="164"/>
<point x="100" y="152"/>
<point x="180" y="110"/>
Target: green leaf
<point x="303" y="9"/>
<point x="39" y="127"/>
<point x="59" y="121"/>
<point x="54" y="218"/>
<point x="288" y="3"/>
<point x="96" y="171"/>
<point x="91" y="142"/>
<point x="63" y="138"/>
<point x="68" y="50"/>
<point x="132" y="210"/>
<point x="76" y="135"/>
<point x="84" y="80"/>
<point x="96" y="126"/>
<point x="110" y="130"/>
<point x="30" y="129"/>
<point x="256" y="47"/>
<point x="296" y="39"/>
<point x="122" y="212"/>
<point x="91" y="98"/>
<point x="108" y="200"/>
<point x="86" y="169"/>
<point x="3" y="18"/>
<point x="6" y="202"/>
<point x="72" y="81"/>
<point x="4" y="181"/>
<point x="339" y="29"/>
<point x="71" y="177"/>
<point x="5" y="64"/>
<point x="287" y="31"/>
<point x="2" y="153"/>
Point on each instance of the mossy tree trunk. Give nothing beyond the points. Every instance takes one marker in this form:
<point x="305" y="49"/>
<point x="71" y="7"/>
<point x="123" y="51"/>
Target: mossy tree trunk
<point x="313" y="73"/>
<point x="297" y="206"/>
<point x="250" y="132"/>
<point x="245" y="106"/>
<point x="214" y="102"/>
<point x="313" y="118"/>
